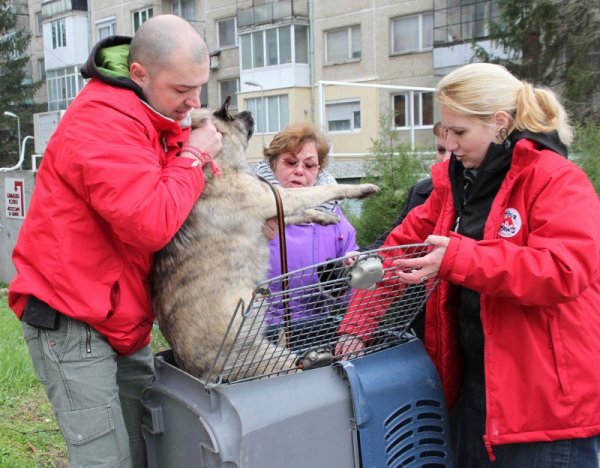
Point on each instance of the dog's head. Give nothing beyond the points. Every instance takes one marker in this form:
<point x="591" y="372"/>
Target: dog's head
<point x="243" y="120"/>
<point x="236" y="130"/>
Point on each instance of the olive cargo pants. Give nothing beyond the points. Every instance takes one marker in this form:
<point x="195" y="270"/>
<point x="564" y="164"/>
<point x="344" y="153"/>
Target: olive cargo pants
<point x="95" y="393"/>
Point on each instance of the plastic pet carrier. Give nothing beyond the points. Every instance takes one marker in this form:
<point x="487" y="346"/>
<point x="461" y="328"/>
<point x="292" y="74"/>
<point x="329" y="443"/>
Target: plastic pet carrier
<point x="298" y="404"/>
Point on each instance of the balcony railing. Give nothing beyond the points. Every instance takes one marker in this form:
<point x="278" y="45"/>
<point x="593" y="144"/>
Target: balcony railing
<point x="272" y="12"/>
<point x="57" y="7"/>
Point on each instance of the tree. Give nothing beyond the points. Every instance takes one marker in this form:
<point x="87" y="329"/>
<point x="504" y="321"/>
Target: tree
<point x="16" y="88"/>
<point x="586" y="151"/>
<point x="555" y="44"/>
<point x="395" y="168"/>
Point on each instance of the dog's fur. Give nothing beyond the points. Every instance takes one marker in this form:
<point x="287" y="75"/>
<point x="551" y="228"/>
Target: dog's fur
<point x="221" y="253"/>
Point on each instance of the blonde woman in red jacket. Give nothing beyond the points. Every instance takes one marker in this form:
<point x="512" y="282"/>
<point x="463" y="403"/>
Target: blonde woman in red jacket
<point x="514" y="327"/>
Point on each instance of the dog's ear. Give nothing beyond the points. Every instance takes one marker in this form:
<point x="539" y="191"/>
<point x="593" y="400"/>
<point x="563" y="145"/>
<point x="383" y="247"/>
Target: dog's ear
<point x="223" y="113"/>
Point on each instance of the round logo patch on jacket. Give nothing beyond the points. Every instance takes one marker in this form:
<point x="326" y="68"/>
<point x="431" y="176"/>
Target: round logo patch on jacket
<point x="511" y="224"/>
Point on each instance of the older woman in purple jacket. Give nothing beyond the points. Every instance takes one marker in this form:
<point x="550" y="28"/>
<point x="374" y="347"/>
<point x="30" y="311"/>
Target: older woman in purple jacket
<point x="297" y="157"/>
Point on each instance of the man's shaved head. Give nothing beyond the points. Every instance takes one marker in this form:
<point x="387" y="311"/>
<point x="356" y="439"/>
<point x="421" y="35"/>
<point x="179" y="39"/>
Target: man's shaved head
<point x="168" y="60"/>
<point x="159" y="38"/>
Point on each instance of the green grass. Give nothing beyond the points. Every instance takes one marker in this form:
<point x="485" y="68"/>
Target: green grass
<point x="29" y="435"/>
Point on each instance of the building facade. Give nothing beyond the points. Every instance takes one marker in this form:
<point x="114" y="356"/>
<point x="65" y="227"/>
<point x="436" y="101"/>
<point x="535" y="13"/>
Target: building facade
<point x="342" y="65"/>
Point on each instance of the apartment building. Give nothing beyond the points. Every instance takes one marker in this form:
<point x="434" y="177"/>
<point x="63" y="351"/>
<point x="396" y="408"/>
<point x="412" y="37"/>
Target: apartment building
<point x="339" y="64"/>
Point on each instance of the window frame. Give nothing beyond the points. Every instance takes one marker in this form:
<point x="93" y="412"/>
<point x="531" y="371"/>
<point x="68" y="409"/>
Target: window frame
<point x="41" y="67"/>
<point x="423" y="109"/>
<point x="110" y="23"/>
<point x="188" y="11"/>
<point x="251" y="51"/>
<point x="263" y="119"/>
<point x="137" y="17"/>
<point x="234" y="100"/>
<point x="220" y="44"/>
<point x="39" y="25"/>
<point x="350" y="43"/>
<point x="353" y="116"/>
<point x="63" y="85"/>
<point x="424" y="44"/>
<point x="59" y="33"/>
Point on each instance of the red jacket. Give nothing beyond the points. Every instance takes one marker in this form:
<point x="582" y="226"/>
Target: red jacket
<point x="538" y="272"/>
<point x="108" y="195"/>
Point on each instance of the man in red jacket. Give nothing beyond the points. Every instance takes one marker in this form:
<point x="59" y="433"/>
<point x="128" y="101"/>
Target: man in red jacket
<point x="113" y="188"/>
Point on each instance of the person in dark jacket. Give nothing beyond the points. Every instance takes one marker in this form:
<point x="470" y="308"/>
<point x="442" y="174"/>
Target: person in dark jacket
<point x="514" y="325"/>
<point x="115" y="185"/>
<point x="419" y="192"/>
<point x="417" y="195"/>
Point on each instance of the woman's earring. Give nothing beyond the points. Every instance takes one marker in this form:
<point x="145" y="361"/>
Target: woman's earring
<point x="503" y="135"/>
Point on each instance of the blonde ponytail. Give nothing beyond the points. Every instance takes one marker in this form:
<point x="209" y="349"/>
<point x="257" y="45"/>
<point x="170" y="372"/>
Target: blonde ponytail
<point x="538" y="110"/>
<point x="482" y="89"/>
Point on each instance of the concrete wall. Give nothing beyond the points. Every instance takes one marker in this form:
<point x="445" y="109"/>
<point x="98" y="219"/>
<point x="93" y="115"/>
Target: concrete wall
<point x="9" y="225"/>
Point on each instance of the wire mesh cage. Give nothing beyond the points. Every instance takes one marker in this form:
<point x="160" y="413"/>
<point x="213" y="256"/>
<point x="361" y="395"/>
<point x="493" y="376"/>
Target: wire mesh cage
<point x="302" y="319"/>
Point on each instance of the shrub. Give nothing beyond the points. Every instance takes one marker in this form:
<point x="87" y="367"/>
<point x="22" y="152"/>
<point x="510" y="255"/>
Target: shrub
<point x="395" y="168"/>
<point x="586" y="149"/>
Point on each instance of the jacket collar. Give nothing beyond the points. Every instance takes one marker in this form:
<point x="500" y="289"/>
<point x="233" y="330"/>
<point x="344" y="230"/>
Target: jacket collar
<point x="547" y="140"/>
<point x="108" y="63"/>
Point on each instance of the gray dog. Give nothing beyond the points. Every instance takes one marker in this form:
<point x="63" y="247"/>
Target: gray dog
<point x="221" y="254"/>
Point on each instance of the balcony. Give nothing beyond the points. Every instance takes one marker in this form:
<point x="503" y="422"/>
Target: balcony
<point x="271" y="13"/>
<point x="57" y="7"/>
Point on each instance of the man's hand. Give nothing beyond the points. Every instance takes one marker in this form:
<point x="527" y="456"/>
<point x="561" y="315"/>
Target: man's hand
<point x="206" y="138"/>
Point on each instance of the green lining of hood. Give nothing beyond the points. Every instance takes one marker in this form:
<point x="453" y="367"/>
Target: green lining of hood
<point x="112" y="61"/>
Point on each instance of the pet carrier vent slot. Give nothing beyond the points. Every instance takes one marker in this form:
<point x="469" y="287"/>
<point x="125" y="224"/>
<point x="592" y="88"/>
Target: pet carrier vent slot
<point x="407" y="442"/>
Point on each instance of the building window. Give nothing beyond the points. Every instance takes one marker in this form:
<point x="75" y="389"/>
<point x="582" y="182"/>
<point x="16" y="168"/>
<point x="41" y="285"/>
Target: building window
<point x="460" y="21"/>
<point x="412" y="33"/>
<point x="422" y="105"/>
<point x="183" y="8"/>
<point x="59" y="33"/>
<point x="63" y="85"/>
<point x="301" y="43"/>
<point x="226" y="33"/>
<point x="271" y="113"/>
<point x="228" y="88"/>
<point x="343" y="45"/>
<point x="343" y="116"/>
<point x="204" y="96"/>
<point x="39" y="29"/>
<point x="275" y="46"/>
<point x="141" y="16"/>
<point x="41" y="69"/>
<point x="106" y="27"/>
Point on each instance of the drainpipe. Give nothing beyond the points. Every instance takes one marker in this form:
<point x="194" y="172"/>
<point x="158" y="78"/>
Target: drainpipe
<point x="311" y="58"/>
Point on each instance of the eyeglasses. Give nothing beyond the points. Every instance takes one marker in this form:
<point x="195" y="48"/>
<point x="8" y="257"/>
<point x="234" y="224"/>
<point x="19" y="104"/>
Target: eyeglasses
<point x="309" y="166"/>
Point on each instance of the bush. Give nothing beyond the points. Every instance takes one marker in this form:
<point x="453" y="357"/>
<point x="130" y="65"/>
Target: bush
<point x="586" y="149"/>
<point x="394" y="168"/>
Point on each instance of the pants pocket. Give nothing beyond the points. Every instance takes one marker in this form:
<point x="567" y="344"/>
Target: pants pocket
<point x="92" y="438"/>
<point x="93" y="344"/>
<point x="32" y="336"/>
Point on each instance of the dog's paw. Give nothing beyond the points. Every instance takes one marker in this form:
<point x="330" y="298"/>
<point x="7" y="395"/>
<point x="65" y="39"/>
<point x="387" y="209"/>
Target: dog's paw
<point x="367" y="190"/>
